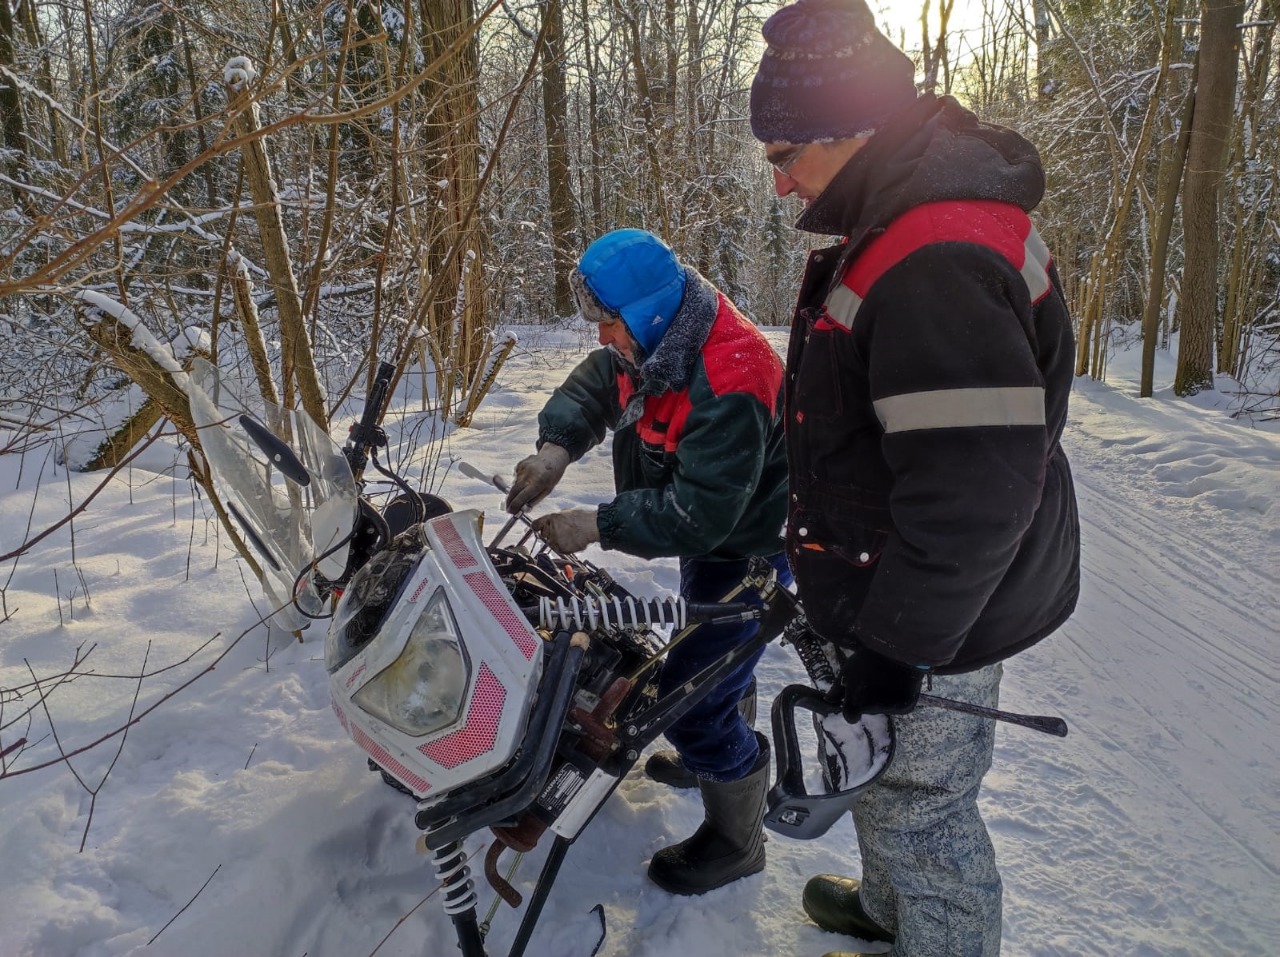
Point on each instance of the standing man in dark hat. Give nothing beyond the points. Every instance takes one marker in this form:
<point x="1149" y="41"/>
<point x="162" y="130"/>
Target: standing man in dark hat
<point x="691" y="391"/>
<point x="932" y="526"/>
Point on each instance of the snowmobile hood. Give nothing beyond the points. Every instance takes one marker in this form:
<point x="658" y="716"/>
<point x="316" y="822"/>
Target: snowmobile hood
<point x="431" y="664"/>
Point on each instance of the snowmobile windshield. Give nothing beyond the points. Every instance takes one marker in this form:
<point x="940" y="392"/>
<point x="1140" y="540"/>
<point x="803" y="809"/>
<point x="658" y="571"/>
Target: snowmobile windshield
<point x="290" y="521"/>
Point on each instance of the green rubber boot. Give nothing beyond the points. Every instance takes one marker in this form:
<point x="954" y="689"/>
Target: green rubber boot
<point x="832" y="903"/>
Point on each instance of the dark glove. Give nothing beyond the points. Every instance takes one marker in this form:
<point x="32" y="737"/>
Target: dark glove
<point x="536" y="476"/>
<point x="870" y="683"/>
<point x="569" y="532"/>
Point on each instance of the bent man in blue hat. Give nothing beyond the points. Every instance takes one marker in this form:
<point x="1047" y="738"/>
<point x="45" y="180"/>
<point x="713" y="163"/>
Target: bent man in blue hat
<point x="691" y="391"/>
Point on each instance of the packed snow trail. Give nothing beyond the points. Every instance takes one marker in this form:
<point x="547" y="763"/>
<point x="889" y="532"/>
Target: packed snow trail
<point x="1153" y="829"/>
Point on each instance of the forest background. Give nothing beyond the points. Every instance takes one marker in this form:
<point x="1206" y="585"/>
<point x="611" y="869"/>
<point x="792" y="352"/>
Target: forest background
<point x="300" y="187"/>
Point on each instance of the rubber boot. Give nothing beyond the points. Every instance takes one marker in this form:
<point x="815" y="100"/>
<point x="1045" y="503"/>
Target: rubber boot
<point x="665" y="767"/>
<point x="833" y="904"/>
<point x="729" y="843"/>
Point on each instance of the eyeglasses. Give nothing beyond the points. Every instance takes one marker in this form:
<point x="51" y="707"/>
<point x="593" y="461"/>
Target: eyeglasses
<point x="784" y="167"/>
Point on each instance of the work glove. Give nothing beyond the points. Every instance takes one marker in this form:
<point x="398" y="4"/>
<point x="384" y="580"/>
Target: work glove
<point x="569" y="532"/>
<point x="870" y="683"/>
<point x="536" y="476"/>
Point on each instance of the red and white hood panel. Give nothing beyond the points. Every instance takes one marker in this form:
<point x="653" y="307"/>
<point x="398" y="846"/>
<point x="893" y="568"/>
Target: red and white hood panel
<point x="503" y="653"/>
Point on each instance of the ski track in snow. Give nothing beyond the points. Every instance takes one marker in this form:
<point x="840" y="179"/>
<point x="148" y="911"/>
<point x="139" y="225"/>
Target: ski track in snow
<point x="1166" y="787"/>
<point x="1150" y="831"/>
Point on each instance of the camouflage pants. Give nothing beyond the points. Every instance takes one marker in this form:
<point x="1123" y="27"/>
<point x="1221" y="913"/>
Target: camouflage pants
<point x="929" y="870"/>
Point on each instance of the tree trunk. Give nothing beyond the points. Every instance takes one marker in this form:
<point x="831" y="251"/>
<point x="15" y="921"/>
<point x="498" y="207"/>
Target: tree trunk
<point x="193" y="84"/>
<point x="652" y="134"/>
<point x="593" y="126"/>
<point x="296" y="358"/>
<point x="1171" y="168"/>
<point x="1046" y="74"/>
<point x="455" y="318"/>
<point x="1253" y="241"/>
<point x="935" y="54"/>
<point x="250" y="327"/>
<point x="28" y="17"/>
<point x="113" y="449"/>
<point x="120" y="340"/>
<point x="11" y="107"/>
<point x="1206" y="167"/>
<point x="559" y="192"/>
<point x="1095" y="314"/>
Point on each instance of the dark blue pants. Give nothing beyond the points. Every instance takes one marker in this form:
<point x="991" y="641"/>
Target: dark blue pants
<point x="712" y="738"/>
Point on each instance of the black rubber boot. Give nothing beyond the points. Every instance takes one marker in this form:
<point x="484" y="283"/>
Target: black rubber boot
<point x="729" y="843"/>
<point x="832" y="903"/>
<point x="665" y="767"/>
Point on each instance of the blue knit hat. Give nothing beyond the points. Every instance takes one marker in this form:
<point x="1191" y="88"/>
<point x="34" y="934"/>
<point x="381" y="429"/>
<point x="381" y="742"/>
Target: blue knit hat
<point x="827" y="74"/>
<point x="634" y="276"/>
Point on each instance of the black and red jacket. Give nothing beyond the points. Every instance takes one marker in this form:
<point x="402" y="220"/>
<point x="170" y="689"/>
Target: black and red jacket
<point x="699" y="460"/>
<point x="932" y="514"/>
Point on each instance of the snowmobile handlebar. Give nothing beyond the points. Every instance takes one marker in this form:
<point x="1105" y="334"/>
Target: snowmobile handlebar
<point x="822" y="660"/>
<point x="366" y="434"/>
<point x="278" y="451"/>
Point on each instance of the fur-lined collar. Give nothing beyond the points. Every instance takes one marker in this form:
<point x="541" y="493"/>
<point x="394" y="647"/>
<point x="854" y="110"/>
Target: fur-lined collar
<point x="670" y="368"/>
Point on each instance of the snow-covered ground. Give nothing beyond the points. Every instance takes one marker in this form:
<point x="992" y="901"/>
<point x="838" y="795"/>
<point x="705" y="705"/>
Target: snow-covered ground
<point x="237" y="818"/>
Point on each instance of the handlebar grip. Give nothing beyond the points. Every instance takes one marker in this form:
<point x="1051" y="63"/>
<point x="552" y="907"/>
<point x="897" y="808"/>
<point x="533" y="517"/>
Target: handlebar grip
<point x="365" y="431"/>
<point x="377" y="395"/>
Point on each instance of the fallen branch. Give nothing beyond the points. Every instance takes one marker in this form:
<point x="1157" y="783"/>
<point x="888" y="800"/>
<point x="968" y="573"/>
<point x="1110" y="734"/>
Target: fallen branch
<point x="186" y="905"/>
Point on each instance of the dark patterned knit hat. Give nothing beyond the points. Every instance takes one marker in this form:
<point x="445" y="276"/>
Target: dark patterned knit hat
<point x="827" y="74"/>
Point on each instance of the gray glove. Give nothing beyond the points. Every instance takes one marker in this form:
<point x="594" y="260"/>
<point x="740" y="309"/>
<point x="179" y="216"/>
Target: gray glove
<point x="536" y="476"/>
<point x="569" y="532"/>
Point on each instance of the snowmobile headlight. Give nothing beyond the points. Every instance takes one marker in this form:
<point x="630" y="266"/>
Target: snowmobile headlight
<point x="422" y="690"/>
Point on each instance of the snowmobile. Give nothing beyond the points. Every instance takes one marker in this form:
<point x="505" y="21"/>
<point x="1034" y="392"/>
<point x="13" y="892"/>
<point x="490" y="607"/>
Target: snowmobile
<point x="503" y="686"/>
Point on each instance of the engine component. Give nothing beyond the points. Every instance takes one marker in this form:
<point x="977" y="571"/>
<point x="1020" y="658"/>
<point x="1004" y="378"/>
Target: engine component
<point x="617" y="611"/>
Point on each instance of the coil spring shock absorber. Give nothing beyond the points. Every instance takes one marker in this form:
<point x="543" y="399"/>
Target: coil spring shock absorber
<point x="813" y="655"/>
<point x="592" y="612"/>
<point x="454" y="874"/>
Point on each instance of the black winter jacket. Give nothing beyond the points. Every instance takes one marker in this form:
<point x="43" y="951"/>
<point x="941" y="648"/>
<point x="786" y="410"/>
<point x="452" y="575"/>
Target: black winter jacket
<point x="932" y="514"/>
<point x="699" y="459"/>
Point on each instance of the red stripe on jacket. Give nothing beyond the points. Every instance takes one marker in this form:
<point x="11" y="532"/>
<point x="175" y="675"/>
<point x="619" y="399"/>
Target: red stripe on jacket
<point x="1001" y="227"/>
<point x="732" y="357"/>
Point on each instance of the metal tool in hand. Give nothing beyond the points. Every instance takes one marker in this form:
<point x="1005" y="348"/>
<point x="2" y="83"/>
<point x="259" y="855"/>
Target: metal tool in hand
<point x="818" y="665"/>
<point x="1046" y="723"/>
<point x="502" y="485"/>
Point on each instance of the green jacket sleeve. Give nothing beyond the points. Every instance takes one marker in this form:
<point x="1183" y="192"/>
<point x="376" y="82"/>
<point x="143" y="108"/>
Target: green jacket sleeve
<point x="719" y="460"/>
<point x="585" y="406"/>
